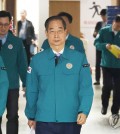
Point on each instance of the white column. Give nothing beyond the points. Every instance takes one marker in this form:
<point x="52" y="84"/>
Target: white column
<point x="43" y="15"/>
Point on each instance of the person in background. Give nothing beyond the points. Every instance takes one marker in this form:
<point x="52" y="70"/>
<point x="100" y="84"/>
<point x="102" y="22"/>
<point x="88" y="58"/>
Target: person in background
<point x="26" y="33"/>
<point x="110" y="35"/>
<point x="3" y="89"/>
<point x="72" y="42"/>
<point x="98" y="26"/>
<point x="15" y="60"/>
<point x="59" y="88"/>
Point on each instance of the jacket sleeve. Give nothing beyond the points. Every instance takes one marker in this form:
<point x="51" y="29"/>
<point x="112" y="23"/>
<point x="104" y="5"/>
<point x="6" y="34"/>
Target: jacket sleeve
<point x="86" y="89"/>
<point x="4" y="84"/>
<point x="22" y="62"/>
<point x="31" y="92"/>
<point x="99" y="43"/>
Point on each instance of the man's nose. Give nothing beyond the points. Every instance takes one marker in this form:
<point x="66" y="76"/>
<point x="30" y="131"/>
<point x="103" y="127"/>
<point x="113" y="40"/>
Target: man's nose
<point x="56" y="34"/>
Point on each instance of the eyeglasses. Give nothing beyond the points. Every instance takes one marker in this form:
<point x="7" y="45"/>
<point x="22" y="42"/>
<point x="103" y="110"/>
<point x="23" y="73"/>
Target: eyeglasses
<point x="4" y="25"/>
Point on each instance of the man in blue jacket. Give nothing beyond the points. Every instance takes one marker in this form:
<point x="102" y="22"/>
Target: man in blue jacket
<point x="3" y="89"/>
<point x="72" y="42"/>
<point x="59" y="88"/>
<point x="98" y="26"/>
<point x="108" y="36"/>
<point x="14" y="58"/>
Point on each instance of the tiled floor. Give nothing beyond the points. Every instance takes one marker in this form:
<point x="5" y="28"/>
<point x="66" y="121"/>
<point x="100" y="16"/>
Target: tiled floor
<point x="96" y="123"/>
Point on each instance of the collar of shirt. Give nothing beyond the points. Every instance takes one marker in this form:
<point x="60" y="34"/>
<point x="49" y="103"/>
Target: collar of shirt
<point x="23" y="21"/>
<point x="4" y="39"/>
<point x="61" y="52"/>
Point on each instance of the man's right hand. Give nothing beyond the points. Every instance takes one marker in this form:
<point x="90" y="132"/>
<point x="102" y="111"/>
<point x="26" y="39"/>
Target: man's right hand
<point x="95" y="34"/>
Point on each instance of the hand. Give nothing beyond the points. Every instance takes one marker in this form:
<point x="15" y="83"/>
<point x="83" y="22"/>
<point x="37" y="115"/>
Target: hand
<point x="24" y="89"/>
<point x="95" y="34"/>
<point x="90" y="70"/>
<point x="119" y="56"/>
<point x="108" y="46"/>
<point x="33" y="41"/>
<point x="81" y="119"/>
<point x="32" y="124"/>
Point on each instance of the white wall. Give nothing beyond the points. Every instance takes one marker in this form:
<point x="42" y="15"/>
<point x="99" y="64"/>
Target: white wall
<point x="44" y="14"/>
<point x="37" y="12"/>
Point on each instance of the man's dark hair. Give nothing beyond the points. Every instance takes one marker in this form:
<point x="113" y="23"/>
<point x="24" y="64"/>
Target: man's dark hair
<point x="69" y="16"/>
<point x="5" y="14"/>
<point x="117" y="18"/>
<point x="103" y="12"/>
<point x="47" y="22"/>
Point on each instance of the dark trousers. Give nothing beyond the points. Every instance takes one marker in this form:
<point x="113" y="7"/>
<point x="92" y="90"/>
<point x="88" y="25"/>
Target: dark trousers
<point x="27" y="48"/>
<point x="57" y="128"/>
<point x="111" y="81"/>
<point x="98" y="68"/>
<point x="12" y="112"/>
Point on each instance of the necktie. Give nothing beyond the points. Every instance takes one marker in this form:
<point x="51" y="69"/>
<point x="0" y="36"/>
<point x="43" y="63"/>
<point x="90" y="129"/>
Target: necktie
<point x="0" y="44"/>
<point x="57" y="56"/>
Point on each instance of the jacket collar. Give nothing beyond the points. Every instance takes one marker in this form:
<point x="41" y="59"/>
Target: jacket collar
<point x="51" y="55"/>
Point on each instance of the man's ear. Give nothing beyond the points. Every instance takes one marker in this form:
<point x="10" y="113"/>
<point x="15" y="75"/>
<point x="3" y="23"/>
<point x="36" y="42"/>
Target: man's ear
<point x="66" y="31"/>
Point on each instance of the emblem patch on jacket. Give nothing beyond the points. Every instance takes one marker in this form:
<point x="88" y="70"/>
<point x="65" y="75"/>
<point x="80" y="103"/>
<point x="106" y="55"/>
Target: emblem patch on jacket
<point x="10" y="46"/>
<point x="69" y="65"/>
<point x="72" y="47"/>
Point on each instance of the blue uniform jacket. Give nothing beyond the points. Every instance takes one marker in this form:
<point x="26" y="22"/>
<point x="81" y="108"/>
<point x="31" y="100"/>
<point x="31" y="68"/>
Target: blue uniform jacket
<point x="15" y="60"/>
<point x="72" y="42"/>
<point x="106" y="36"/>
<point x="3" y="87"/>
<point x="58" y="93"/>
